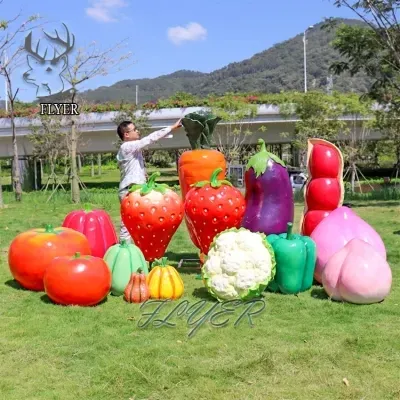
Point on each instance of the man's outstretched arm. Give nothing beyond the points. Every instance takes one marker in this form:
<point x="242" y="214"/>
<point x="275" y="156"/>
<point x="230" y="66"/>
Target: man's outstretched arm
<point x="135" y="145"/>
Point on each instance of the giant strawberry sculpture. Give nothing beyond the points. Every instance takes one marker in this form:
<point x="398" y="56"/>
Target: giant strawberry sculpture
<point x="212" y="207"/>
<point x="152" y="213"/>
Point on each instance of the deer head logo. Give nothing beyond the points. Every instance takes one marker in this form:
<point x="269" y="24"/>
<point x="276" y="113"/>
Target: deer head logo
<point x="46" y="74"/>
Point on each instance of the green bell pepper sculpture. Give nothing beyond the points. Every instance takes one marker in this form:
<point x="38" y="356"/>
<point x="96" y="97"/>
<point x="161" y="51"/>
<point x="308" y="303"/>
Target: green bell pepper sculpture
<point x="296" y="257"/>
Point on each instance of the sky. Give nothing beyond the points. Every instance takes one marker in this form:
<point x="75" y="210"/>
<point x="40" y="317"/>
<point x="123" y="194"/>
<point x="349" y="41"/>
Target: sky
<point x="164" y="36"/>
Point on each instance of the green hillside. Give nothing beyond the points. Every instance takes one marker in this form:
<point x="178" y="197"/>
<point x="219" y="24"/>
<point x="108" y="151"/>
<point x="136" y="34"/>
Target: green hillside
<point x="271" y="71"/>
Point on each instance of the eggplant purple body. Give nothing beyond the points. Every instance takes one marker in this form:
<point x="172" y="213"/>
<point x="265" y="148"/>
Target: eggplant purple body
<point x="269" y="194"/>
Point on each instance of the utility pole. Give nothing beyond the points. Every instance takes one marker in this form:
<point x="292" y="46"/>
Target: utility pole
<point x="305" y="57"/>
<point x="137" y="94"/>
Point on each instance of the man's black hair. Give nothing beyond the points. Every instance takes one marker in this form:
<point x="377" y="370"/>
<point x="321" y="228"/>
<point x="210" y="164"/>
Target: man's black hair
<point x="122" y="128"/>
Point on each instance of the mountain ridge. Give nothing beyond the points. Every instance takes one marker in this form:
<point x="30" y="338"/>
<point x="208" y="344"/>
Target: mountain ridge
<point x="278" y="68"/>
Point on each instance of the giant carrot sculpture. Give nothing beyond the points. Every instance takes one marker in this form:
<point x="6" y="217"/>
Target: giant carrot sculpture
<point x="201" y="161"/>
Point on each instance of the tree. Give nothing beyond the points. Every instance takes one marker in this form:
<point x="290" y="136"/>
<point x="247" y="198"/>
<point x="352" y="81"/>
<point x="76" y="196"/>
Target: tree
<point x="88" y="62"/>
<point x="99" y="164"/>
<point x="353" y="144"/>
<point x="375" y="50"/>
<point x="1" y="188"/>
<point x="11" y="50"/>
<point x="49" y="140"/>
<point x="388" y="122"/>
<point x="318" y="116"/>
<point x="92" y="165"/>
<point x="234" y="128"/>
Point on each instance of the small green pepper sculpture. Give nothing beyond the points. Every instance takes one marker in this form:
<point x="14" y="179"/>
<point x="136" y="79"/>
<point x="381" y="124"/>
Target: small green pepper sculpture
<point x="296" y="257"/>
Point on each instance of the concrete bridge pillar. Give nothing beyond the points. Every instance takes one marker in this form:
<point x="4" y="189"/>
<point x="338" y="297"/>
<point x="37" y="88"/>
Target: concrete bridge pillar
<point x="295" y="152"/>
<point x="276" y="149"/>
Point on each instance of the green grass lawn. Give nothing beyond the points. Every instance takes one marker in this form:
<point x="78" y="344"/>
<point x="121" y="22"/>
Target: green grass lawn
<point x="300" y="347"/>
<point x="109" y="178"/>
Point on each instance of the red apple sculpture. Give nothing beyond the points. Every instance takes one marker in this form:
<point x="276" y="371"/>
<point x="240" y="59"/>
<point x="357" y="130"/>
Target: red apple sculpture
<point x="357" y="274"/>
<point x="324" y="191"/>
<point x="336" y="230"/>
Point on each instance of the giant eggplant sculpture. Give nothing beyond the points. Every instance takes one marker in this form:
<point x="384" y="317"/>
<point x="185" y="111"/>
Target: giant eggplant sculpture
<point x="269" y="194"/>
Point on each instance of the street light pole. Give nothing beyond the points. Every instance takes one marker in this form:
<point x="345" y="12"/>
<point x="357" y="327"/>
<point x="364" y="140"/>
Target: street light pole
<point x="305" y="57"/>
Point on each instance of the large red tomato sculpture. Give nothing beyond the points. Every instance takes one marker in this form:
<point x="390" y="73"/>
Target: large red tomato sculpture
<point x="96" y="225"/>
<point x="77" y="280"/>
<point x="32" y="251"/>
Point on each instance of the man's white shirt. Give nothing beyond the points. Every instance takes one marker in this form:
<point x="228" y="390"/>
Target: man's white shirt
<point x="130" y="158"/>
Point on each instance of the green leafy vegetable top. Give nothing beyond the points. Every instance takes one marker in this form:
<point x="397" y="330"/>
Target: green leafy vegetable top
<point x="199" y="129"/>
<point x="259" y="161"/>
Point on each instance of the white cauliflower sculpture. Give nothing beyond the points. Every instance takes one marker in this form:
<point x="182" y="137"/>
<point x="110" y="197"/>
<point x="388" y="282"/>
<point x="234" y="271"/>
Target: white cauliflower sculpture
<point x="239" y="265"/>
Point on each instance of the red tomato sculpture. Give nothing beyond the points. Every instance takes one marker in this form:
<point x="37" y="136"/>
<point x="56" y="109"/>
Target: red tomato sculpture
<point x="313" y="218"/>
<point x="96" y="225"/>
<point x="324" y="161"/>
<point x="323" y="194"/>
<point x="32" y="251"/>
<point x="77" y="280"/>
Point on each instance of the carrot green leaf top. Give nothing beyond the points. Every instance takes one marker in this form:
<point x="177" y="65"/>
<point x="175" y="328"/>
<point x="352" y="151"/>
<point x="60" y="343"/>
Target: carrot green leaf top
<point x="199" y="129"/>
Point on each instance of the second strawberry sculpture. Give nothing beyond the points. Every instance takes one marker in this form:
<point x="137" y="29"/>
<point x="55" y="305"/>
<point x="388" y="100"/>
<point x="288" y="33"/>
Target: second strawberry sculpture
<point x="212" y="207"/>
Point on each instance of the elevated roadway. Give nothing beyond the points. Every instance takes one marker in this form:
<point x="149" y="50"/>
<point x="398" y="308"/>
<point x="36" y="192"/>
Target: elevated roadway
<point x="98" y="130"/>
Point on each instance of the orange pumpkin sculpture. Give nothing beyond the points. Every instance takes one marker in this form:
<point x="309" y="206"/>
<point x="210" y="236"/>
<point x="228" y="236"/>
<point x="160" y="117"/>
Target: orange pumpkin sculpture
<point x="137" y="290"/>
<point x="31" y="252"/>
<point x="164" y="281"/>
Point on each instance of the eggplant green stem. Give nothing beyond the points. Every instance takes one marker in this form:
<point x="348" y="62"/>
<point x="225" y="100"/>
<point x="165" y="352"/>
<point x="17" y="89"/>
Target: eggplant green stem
<point x="261" y="143"/>
<point x="259" y="162"/>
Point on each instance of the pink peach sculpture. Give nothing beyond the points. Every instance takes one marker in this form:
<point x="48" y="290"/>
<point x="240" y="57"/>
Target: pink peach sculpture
<point x="357" y="274"/>
<point x="336" y="230"/>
